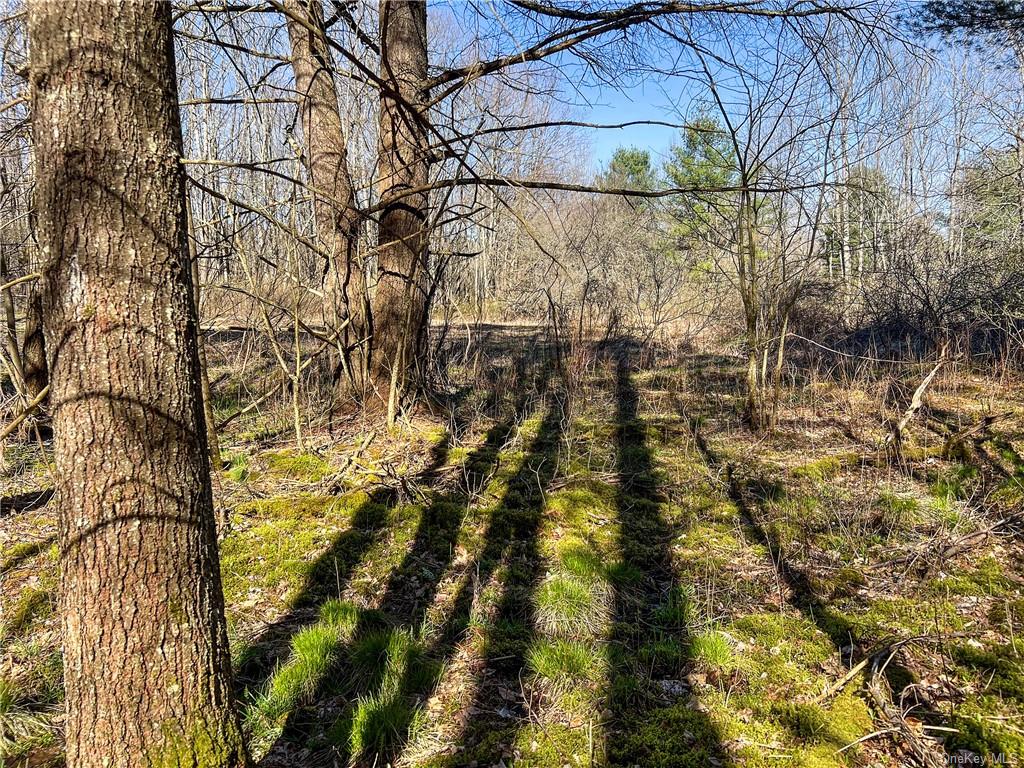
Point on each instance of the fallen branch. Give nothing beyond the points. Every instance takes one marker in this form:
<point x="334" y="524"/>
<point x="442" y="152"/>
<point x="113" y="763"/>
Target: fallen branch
<point x="20" y="280"/>
<point x="333" y="483"/>
<point x="832" y="690"/>
<point x="28" y="410"/>
<point x="927" y="752"/>
<point x="895" y="436"/>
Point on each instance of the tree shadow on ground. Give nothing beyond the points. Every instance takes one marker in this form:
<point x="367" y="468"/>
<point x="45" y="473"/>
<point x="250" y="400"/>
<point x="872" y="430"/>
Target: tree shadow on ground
<point x="752" y="494"/>
<point x="652" y="723"/>
<point x="25" y="502"/>
<point x="504" y="578"/>
<point x="362" y="690"/>
<point x="331" y="572"/>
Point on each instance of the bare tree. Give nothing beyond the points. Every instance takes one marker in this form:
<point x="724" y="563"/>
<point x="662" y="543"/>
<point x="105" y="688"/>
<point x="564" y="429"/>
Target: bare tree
<point x="338" y="219"/>
<point x="400" y="309"/>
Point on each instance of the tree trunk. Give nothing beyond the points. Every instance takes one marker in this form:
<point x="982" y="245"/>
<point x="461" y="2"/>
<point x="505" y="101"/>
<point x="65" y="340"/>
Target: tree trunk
<point x="212" y="441"/>
<point x="147" y="672"/>
<point x="10" y="325"/>
<point x="33" y="348"/>
<point x="337" y="218"/>
<point x="400" y="310"/>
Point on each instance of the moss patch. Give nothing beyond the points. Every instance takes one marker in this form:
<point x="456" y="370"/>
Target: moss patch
<point x="295" y="465"/>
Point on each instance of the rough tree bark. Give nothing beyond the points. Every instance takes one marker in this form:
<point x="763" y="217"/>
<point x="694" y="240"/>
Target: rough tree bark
<point x="337" y="217"/>
<point x="147" y="672"/>
<point x="400" y="303"/>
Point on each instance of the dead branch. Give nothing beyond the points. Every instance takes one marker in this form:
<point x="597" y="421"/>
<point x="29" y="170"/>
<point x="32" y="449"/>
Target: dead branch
<point x="28" y="410"/>
<point x="895" y="436"/>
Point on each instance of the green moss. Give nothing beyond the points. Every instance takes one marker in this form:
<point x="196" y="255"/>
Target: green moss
<point x="983" y="729"/>
<point x="487" y="749"/>
<point x="849" y="719"/>
<point x="1009" y="495"/>
<point x="457" y="456"/>
<point x="901" y="617"/>
<point x="237" y="468"/>
<point x="1001" y="667"/>
<point x="666" y="737"/>
<point x="820" y="470"/>
<point x="306" y="467"/>
<point x="786" y="637"/>
<point x="198" y="744"/>
<point x="552" y="744"/>
<point x="664" y="654"/>
<point x="846" y="581"/>
<point x="275" y="543"/>
<point x="575" y="506"/>
<point x="33" y="604"/>
<point x="16" y="554"/>
<point x="780" y="725"/>
<point x="838" y="726"/>
<point x="710" y="542"/>
<point x="1008" y="612"/>
<point x="805" y="720"/>
<point x="986" y="577"/>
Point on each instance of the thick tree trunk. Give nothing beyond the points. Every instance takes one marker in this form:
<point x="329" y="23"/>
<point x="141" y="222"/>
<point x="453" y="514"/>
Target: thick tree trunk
<point x="337" y="217"/>
<point x="147" y="672"/>
<point x="400" y="311"/>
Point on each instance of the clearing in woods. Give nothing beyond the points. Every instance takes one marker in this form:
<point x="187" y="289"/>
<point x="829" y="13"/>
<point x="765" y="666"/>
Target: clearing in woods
<point x="617" y="575"/>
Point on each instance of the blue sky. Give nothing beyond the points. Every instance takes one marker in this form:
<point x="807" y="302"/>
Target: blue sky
<point x="643" y="102"/>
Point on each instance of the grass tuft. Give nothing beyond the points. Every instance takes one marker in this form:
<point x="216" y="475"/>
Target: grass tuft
<point x="314" y="652"/>
<point x="566" y="607"/>
<point x="580" y="559"/>
<point x="677" y="610"/>
<point x="394" y="667"/>
<point x="713" y="651"/>
<point x="20" y="727"/>
<point x="564" y="663"/>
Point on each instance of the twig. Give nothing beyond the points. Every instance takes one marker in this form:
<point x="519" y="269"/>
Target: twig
<point x="20" y="280"/>
<point x="333" y="482"/>
<point x="832" y="690"/>
<point x="273" y="390"/>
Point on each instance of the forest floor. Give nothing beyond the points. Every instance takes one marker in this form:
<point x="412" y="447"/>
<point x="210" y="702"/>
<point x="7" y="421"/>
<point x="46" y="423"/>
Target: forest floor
<point x="621" y="574"/>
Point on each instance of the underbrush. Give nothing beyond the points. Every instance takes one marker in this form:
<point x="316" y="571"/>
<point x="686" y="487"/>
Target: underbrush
<point x="627" y="578"/>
